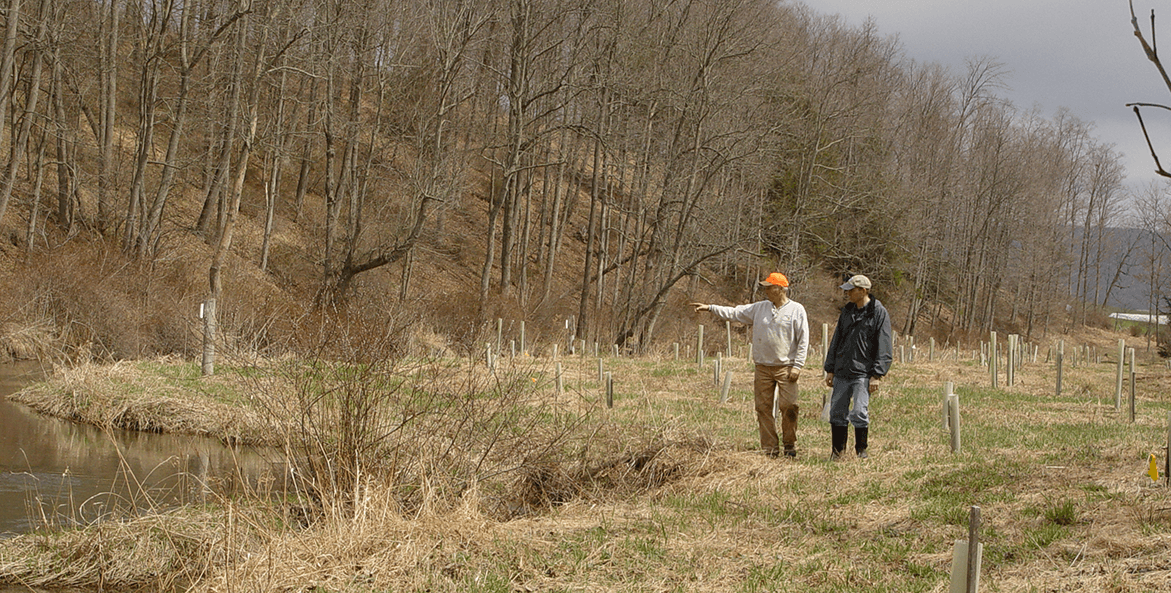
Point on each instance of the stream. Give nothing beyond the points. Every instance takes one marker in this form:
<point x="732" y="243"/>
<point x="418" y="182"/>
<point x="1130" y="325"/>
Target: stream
<point x="58" y="473"/>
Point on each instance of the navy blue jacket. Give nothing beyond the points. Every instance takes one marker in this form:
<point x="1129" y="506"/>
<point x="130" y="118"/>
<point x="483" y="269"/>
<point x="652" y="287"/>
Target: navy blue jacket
<point x="861" y="345"/>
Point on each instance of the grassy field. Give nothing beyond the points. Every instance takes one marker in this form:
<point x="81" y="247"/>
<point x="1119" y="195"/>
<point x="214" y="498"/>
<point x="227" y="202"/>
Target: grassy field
<point x="668" y="491"/>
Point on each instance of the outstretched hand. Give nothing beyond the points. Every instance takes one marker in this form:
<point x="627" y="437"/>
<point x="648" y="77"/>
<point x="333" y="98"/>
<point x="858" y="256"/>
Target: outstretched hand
<point x="699" y="307"/>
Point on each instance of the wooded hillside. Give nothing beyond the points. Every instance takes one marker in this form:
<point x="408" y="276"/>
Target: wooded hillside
<point x="456" y="161"/>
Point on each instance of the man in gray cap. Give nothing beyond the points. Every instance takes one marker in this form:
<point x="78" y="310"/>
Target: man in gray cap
<point x="780" y="342"/>
<point x="858" y="357"/>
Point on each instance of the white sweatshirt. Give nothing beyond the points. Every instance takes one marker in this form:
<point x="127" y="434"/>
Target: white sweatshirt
<point x="780" y="335"/>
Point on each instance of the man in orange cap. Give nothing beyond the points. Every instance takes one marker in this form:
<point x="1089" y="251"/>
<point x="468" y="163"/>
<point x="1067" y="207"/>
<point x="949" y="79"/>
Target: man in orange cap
<point x="780" y="341"/>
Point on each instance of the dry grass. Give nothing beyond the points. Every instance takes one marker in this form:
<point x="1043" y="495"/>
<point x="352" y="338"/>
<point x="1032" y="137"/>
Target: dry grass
<point x="667" y="492"/>
<point x="157" y="395"/>
<point x="27" y="341"/>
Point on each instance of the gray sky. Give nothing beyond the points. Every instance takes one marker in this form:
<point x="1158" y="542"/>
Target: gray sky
<point x="1077" y="54"/>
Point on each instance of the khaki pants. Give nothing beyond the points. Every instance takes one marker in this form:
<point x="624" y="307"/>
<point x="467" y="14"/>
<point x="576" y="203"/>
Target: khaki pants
<point x="766" y="378"/>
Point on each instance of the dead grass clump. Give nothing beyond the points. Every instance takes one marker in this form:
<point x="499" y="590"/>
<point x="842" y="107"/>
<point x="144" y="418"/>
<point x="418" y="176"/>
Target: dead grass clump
<point x="27" y="341"/>
<point x="129" y="396"/>
<point x="650" y="466"/>
<point x="539" y="487"/>
<point x="164" y="552"/>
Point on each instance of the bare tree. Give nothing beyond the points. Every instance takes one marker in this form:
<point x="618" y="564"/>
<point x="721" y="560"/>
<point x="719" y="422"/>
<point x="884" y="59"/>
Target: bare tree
<point x="32" y="98"/>
<point x="451" y="30"/>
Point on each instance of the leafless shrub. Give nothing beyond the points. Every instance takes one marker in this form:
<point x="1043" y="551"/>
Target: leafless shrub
<point x="364" y="412"/>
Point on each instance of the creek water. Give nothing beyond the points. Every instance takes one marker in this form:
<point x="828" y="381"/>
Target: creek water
<point x="59" y="473"/>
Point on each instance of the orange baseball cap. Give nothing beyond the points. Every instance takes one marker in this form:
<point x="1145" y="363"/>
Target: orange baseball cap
<point x="775" y="279"/>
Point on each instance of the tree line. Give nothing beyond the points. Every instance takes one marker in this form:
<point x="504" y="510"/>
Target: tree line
<point x="672" y="138"/>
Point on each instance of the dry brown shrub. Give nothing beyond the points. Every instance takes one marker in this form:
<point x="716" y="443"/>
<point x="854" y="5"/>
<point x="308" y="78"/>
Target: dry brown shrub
<point x="91" y="299"/>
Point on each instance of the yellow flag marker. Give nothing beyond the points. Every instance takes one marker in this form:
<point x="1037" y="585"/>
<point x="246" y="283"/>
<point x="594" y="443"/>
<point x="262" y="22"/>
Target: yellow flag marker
<point x="1153" y="472"/>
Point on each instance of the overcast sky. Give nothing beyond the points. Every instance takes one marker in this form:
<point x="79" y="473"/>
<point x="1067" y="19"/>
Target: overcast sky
<point x="1077" y="54"/>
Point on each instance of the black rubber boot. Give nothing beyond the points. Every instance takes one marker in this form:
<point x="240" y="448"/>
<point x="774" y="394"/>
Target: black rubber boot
<point x="839" y="434"/>
<point x="860" y="444"/>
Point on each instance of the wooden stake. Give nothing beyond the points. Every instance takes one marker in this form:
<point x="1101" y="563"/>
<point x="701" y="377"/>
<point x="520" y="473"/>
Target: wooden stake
<point x="993" y="359"/>
<point x="953" y="410"/>
<point x="777" y="400"/>
<point x="609" y="390"/>
<point x="824" y="346"/>
<point x="728" y="330"/>
<point x="1010" y="362"/>
<point x="1130" y="355"/>
<point x="699" y="348"/>
<point x="1118" y="383"/>
<point x="560" y="381"/>
<point x="947" y="393"/>
<point x="973" y="550"/>
<point x="1059" y="360"/>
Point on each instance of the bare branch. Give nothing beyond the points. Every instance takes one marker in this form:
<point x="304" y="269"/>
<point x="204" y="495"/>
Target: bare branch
<point x="1149" y="49"/>
<point x="1158" y="167"/>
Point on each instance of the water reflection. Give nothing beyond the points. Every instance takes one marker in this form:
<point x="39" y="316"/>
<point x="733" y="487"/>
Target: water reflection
<point x="55" y="472"/>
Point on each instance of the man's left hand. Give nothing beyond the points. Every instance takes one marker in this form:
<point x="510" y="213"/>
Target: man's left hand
<point x="874" y="384"/>
<point x="794" y="372"/>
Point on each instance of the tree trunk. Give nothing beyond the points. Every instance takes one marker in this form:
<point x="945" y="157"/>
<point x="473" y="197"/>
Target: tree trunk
<point x="306" y="152"/>
<point x="108" y="107"/>
<point x="66" y="186"/>
<point x="273" y="186"/>
<point x="26" y="120"/>
<point x="7" y="61"/>
<point x="35" y="211"/>
<point x="224" y="244"/>
<point x="583" y="309"/>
